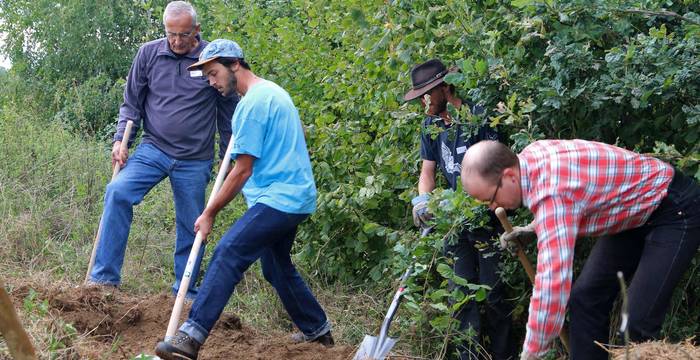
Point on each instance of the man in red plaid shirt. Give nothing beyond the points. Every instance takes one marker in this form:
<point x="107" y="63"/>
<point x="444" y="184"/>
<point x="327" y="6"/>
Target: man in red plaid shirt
<point x="647" y="213"/>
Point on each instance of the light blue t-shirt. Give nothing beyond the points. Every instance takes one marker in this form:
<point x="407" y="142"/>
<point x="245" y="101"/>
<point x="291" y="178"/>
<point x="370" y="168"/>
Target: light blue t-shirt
<point x="266" y="125"/>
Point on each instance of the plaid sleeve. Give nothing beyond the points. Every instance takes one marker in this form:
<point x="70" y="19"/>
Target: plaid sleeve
<point x="557" y="221"/>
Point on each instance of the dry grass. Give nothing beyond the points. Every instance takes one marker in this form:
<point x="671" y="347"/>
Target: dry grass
<point x="654" y="350"/>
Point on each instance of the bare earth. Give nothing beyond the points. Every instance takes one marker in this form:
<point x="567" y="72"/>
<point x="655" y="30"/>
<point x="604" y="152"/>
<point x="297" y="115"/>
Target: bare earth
<point x="139" y="322"/>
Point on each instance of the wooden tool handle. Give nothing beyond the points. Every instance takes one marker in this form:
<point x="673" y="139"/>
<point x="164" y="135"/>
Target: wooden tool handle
<point x="11" y="329"/>
<point x="124" y="146"/>
<point x="194" y="252"/>
<point x="529" y="269"/>
<point x="503" y="218"/>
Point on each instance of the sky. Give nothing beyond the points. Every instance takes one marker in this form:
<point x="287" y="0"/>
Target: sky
<point x="3" y="61"/>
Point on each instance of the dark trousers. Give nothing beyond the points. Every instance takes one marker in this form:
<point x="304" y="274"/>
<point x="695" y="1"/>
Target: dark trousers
<point x="261" y="233"/>
<point x="653" y="257"/>
<point x="481" y="267"/>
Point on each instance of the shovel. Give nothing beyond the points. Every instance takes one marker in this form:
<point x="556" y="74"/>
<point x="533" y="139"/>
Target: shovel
<point x="377" y="348"/>
<point x="194" y="252"/>
<point x="115" y="171"/>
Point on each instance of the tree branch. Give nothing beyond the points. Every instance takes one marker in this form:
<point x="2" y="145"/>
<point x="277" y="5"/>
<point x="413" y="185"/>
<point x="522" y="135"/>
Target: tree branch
<point x="660" y="13"/>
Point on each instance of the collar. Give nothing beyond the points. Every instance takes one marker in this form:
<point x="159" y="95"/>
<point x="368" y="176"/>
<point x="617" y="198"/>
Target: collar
<point x="164" y="48"/>
<point x="525" y="185"/>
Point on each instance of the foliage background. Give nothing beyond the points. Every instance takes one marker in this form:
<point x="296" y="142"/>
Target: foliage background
<point x="625" y="72"/>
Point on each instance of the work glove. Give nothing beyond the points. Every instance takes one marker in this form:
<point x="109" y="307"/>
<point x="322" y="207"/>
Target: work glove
<point x="520" y="236"/>
<point x="421" y="214"/>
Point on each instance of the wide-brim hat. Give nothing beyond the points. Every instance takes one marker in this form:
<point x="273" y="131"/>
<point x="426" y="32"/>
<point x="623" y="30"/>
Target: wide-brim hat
<point x="426" y="76"/>
<point x="216" y="49"/>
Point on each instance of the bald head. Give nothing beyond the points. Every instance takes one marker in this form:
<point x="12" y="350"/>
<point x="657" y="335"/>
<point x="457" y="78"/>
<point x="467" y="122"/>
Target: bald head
<point x="491" y="174"/>
<point x="487" y="159"/>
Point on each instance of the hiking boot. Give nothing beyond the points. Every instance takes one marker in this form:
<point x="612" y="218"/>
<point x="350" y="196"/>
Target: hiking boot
<point x="180" y="346"/>
<point x="101" y="286"/>
<point x="325" y="339"/>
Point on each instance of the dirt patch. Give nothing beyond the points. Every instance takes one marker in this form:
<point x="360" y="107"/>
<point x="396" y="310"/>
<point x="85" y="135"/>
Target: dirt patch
<point x="123" y="326"/>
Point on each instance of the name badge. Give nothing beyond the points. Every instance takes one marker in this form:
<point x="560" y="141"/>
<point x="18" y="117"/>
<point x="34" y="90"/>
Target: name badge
<point x="196" y="73"/>
<point x="461" y="149"/>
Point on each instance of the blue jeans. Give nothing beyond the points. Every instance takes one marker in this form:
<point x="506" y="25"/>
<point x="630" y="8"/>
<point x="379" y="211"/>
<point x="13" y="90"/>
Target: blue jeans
<point x="145" y="169"/>
<point x="652" y="257"/>
<point x="268" y="234"/>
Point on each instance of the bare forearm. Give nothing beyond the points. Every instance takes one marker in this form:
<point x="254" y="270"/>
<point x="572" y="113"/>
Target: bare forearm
<point x="426" y="183"/>
<point x="229" y="189"/>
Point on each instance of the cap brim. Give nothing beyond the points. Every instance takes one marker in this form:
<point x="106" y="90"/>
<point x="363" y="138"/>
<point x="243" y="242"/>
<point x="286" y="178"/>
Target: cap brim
<point x="416" y="93"/>
<point x="199" y="64"/>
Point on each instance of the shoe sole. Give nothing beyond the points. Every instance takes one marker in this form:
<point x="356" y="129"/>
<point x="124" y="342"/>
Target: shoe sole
<point x="166" y="355"/>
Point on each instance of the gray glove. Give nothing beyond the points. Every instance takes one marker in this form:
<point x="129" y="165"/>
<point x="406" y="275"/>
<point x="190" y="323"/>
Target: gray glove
<point x="421" y="214"/>
<point x="520" y="236"/>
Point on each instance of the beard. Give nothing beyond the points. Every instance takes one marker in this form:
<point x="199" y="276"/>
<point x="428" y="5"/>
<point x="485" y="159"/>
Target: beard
<point x="437" y="108"/>
<point x="232" y="85"/>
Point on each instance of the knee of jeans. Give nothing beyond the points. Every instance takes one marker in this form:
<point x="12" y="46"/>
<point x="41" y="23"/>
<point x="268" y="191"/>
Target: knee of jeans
<point x="269" y="273"/>
<point x="117" y="191"/>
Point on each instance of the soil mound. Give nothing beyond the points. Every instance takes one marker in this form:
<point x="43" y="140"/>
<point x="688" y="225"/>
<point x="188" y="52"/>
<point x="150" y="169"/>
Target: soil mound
<point x="114" y="324"/>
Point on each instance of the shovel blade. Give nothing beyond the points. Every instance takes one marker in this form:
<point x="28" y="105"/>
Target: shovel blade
<point x="371" y="349"/>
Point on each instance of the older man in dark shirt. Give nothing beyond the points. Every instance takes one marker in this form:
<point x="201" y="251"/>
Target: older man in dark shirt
<point x="180" y="114"/>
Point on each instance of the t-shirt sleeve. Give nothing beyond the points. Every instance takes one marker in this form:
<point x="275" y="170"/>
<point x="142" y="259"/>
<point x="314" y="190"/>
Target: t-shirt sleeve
<point x="490" y="133"/>
<point x="427" y="143"/>
<point x="249" y="127"/>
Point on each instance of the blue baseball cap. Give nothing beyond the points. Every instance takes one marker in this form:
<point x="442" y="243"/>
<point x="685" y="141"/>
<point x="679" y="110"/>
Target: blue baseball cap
<point x="216" y="49"/>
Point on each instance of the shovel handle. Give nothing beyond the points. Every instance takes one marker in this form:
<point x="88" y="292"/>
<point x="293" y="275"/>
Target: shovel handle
<point x="124" y="146"/>
<point x="194" y="252"/>
<point x="503" y="218"/>
<point x="18" y="342"/>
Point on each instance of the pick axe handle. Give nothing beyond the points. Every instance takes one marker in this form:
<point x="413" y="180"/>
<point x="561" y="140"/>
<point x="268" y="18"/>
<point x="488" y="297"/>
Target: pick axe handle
<point x="503" y="218"/>
<point x="115" y="171"/>
<point x="194" y="253"/>
<point x="17" y="340"/>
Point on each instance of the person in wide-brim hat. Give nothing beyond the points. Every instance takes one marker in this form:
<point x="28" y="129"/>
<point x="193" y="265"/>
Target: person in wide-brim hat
<point x="443" y="142"/>
<point x="426" y="76"/>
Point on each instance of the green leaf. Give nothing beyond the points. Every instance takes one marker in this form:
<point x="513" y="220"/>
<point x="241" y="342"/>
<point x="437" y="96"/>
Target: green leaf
<point x="454" y="78"/>
<point x="480" y="295"/>
<point x="481" y="67"/>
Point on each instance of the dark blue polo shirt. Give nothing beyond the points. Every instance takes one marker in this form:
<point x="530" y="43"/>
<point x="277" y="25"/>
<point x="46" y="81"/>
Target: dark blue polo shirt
<point x="448" y="146"/>
<point x="178" y="110"/>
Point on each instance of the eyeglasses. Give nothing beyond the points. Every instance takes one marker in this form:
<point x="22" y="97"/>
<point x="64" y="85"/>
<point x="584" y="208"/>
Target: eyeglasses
<point x="493" y="198"/>
<point x="183" y="35"/>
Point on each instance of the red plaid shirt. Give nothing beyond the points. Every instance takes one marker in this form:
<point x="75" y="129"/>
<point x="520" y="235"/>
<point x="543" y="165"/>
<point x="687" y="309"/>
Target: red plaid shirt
<point x="579" y="188"/>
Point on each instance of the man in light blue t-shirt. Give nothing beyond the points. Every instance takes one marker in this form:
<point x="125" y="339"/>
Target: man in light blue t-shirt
<point x="273" y="172"/>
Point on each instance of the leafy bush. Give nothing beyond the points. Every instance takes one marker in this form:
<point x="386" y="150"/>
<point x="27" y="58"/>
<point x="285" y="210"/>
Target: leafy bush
<point x="88" y="108"/>
<point x="575" y="69"/>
